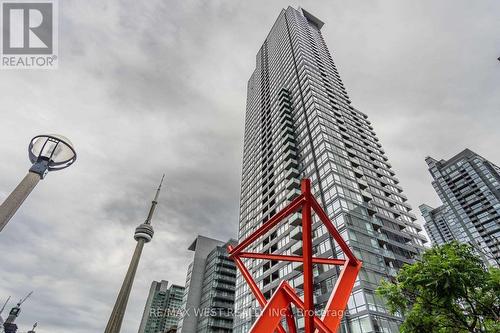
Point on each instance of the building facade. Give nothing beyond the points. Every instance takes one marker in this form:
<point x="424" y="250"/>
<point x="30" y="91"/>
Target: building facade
<point x="162" y="308"/>
<point x="469" y="187"/>
<point x="208" y="302"/>
<point x="300" y="124"/>
<point x="439" y="224"/>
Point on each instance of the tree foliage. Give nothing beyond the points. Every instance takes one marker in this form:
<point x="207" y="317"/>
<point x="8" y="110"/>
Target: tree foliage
<point x="448" y="291"/>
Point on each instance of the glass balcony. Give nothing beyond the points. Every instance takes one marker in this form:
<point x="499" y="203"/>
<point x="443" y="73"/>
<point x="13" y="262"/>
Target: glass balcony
<point x="298" y="266"/>
<point x="297" y="248"/>
<point x="293" y="184"/>
<point x="296" y="233"/>
<point x="295" y="219"/>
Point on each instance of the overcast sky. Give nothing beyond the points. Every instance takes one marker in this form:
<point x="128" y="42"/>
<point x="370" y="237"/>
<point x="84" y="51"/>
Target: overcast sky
<point x="151" y="87"/>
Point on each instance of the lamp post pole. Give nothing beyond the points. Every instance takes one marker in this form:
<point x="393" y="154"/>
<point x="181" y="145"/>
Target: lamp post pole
<point x="47" y="153"/>
<point x="17" y="197"/>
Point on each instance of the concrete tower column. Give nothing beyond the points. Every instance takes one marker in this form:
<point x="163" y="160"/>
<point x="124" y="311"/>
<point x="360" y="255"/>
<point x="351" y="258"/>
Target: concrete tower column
<point x="116" y="319"/>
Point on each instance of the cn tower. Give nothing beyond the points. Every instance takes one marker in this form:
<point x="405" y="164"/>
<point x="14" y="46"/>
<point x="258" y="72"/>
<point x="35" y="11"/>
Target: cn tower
<point x="143" y="234"/>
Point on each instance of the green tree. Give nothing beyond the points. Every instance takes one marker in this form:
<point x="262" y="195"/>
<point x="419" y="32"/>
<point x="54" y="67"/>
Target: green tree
<point x="449" y="291"/>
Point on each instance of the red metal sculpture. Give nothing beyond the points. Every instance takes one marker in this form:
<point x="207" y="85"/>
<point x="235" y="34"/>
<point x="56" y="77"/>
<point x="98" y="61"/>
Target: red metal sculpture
<point x="280" y="304"/>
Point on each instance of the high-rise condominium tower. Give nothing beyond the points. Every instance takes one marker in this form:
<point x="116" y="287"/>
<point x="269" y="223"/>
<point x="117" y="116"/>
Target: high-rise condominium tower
<point x="162" y="308"/>
<point x="208" y="302"/>
<point x="300" y="124"/>
<point x="469" y="187"/>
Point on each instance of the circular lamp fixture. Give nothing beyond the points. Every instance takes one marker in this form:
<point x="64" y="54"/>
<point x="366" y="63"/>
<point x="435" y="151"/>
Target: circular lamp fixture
<point x="51" y="152"/>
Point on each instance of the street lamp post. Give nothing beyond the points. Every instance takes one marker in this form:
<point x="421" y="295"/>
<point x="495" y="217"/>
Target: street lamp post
<point x="47" y="153"/>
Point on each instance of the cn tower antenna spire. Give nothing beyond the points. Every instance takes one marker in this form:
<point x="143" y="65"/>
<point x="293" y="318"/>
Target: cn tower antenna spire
<point x="143" y="234"/>
<point x="154" y="202"/>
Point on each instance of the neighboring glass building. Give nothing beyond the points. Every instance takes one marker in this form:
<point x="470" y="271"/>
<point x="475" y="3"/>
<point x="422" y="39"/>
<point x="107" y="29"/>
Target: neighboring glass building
<point x="162" y="308"/>
<point x="440" y="224"/>
<point x="208" y="302"/>
<point x="300" y="124"/>
<point x="469" y="187"/>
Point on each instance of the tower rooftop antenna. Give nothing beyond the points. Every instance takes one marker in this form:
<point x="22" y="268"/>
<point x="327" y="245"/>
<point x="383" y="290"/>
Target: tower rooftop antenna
<point x="22" y="300"/>
<point x="33" y="329"/>
<point x="154" y="202"/>
<point x="10" y="325"/>
<point x="4" y="305"/>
